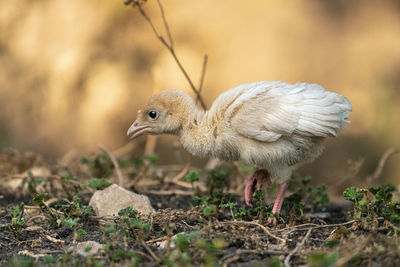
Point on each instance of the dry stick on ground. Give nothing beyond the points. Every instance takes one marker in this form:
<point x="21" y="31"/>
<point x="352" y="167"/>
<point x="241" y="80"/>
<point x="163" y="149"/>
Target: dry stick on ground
<point x="299" y="246"/>
<point x="170" y="45"/>
<point x="203" y="73"/>
<point x="280" y="240"/>
<point x="378" y="171"/>
<point x="154" y="256"/>
<point x="313" y="226"/>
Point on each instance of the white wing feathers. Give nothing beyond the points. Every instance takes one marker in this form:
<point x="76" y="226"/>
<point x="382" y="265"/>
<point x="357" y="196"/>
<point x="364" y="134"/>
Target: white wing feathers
<point x="267" y="110"/>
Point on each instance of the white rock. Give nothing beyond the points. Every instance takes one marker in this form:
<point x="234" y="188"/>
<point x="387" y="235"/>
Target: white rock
<point x="33" y="228"/>
<point x="82" y="248"/>
<point x="110" y="201"/>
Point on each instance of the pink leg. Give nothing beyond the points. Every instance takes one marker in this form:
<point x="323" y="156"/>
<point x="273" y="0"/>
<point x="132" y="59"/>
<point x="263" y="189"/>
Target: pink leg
<point x="278" y="202"/>
<point x="258" y="176"/>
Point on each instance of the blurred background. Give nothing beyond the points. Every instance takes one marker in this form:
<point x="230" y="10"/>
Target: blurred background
<point x="74" y="73"/>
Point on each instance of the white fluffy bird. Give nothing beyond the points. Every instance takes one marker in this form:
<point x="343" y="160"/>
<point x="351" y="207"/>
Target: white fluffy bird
<point x="269" y="125"/>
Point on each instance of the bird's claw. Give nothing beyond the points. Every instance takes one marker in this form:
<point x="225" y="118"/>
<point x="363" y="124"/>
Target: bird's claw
<point x="272" y="221"/>
<point x="257" y="177"/>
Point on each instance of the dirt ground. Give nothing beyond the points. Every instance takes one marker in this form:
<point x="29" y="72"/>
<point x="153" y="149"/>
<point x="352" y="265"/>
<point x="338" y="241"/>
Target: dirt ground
<point x="321" y="236"/>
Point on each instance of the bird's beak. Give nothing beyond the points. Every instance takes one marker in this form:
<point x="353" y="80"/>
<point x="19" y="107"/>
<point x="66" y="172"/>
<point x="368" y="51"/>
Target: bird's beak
<point x="136" y="130"/>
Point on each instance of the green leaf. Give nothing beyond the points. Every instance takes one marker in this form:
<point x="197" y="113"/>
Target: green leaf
<point x="321" y="259"/>
<point x="152" y="159"/>
<point x="111" y="228"/>
<point x="65" y="176"/>
<point x="99" y="184"/>
<point x="81" y="232"/>
<point x="71" y="222"/>
<point x="395" y="219"/>
<point x="128" y="211"/>
<point x="208" y="210"/>
<point x="85" y="160"/>
<point x="192" y="177"/>
<point x="352" y="194"/>
<point x="306" y="180"/>
<point x="275" y="262"/>
<point x="49" y="259"/>
<point x="39" y="198"/>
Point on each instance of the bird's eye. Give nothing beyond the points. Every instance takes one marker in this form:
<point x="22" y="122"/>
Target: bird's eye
<point x="153" y="115"/>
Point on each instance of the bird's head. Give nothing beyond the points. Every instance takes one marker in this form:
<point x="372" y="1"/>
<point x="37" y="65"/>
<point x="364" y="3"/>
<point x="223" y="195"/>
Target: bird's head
<point x="163" y="113"/>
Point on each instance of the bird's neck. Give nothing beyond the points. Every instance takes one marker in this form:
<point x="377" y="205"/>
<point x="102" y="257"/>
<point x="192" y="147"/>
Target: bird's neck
<point x="196" y="134"/>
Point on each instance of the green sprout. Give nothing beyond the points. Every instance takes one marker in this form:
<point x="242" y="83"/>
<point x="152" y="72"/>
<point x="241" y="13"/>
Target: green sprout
<point x="52" y="217"/>
<point x="99" y="184"/>
<point x="17" y="221"/>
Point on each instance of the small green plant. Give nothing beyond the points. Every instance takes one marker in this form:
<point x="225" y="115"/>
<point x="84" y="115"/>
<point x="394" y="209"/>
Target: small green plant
<point x="209" y="250"/>
<point x="71" y="189"/>
<point x="152" y="159"/>
<point x="74" y="209"/>
<point x="294" y="206"/>
<point x="316" y="196"/>
<point x="17" y="221"/>
<point x="322" y="260"/>
<point x="52" y="217"/>
<point x="33" y="182"/>
<point x="128" y="212"/>
<point x="101" y="165"/>
<point x="179" y="256"/>
<point x="216" y="180"/>
<point x="373" y="203"/>
<point x="19" y="261"/>
<point x="263" y="212"/>
<point x="49" y="259"/>
<point x="275" y="262"/>
<point x="99" y="184"/>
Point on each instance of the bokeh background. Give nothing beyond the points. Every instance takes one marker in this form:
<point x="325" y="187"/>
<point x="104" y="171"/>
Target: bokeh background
<point x="73" y="73"/>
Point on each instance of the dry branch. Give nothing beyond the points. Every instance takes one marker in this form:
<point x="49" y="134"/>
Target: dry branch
<point x="170" y="45"/>
<point x="299" y="246"/>
<point x="382" y="162"/>
<point x="279" y="239"/>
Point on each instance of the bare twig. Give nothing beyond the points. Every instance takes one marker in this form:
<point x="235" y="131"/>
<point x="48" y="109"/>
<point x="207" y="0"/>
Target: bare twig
<point x="378" y="171"/>
<point x="280" y="240"/>
<point x="169" y="46"/>
<point x="34" y="218"/>
<point x="116" y="166"/>
<point x="203" y="73"/>
<point x="163" y="238"/>
<point x="171" y="42"/>
<point x="301" y="244"/>
<point x="152" y="254"/>
<point x="312" y="226"/>
<point x="56" y="241"/>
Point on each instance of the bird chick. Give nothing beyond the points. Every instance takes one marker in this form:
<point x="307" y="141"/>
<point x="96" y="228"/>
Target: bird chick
<point x="269" y="125"/>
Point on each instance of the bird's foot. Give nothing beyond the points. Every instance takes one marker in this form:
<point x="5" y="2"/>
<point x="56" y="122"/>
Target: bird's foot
<point x="257" y="177"/>
<point x="272" y="221"/>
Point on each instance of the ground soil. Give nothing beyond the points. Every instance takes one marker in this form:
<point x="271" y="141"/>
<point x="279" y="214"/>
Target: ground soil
<point x="248" y="242"/>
